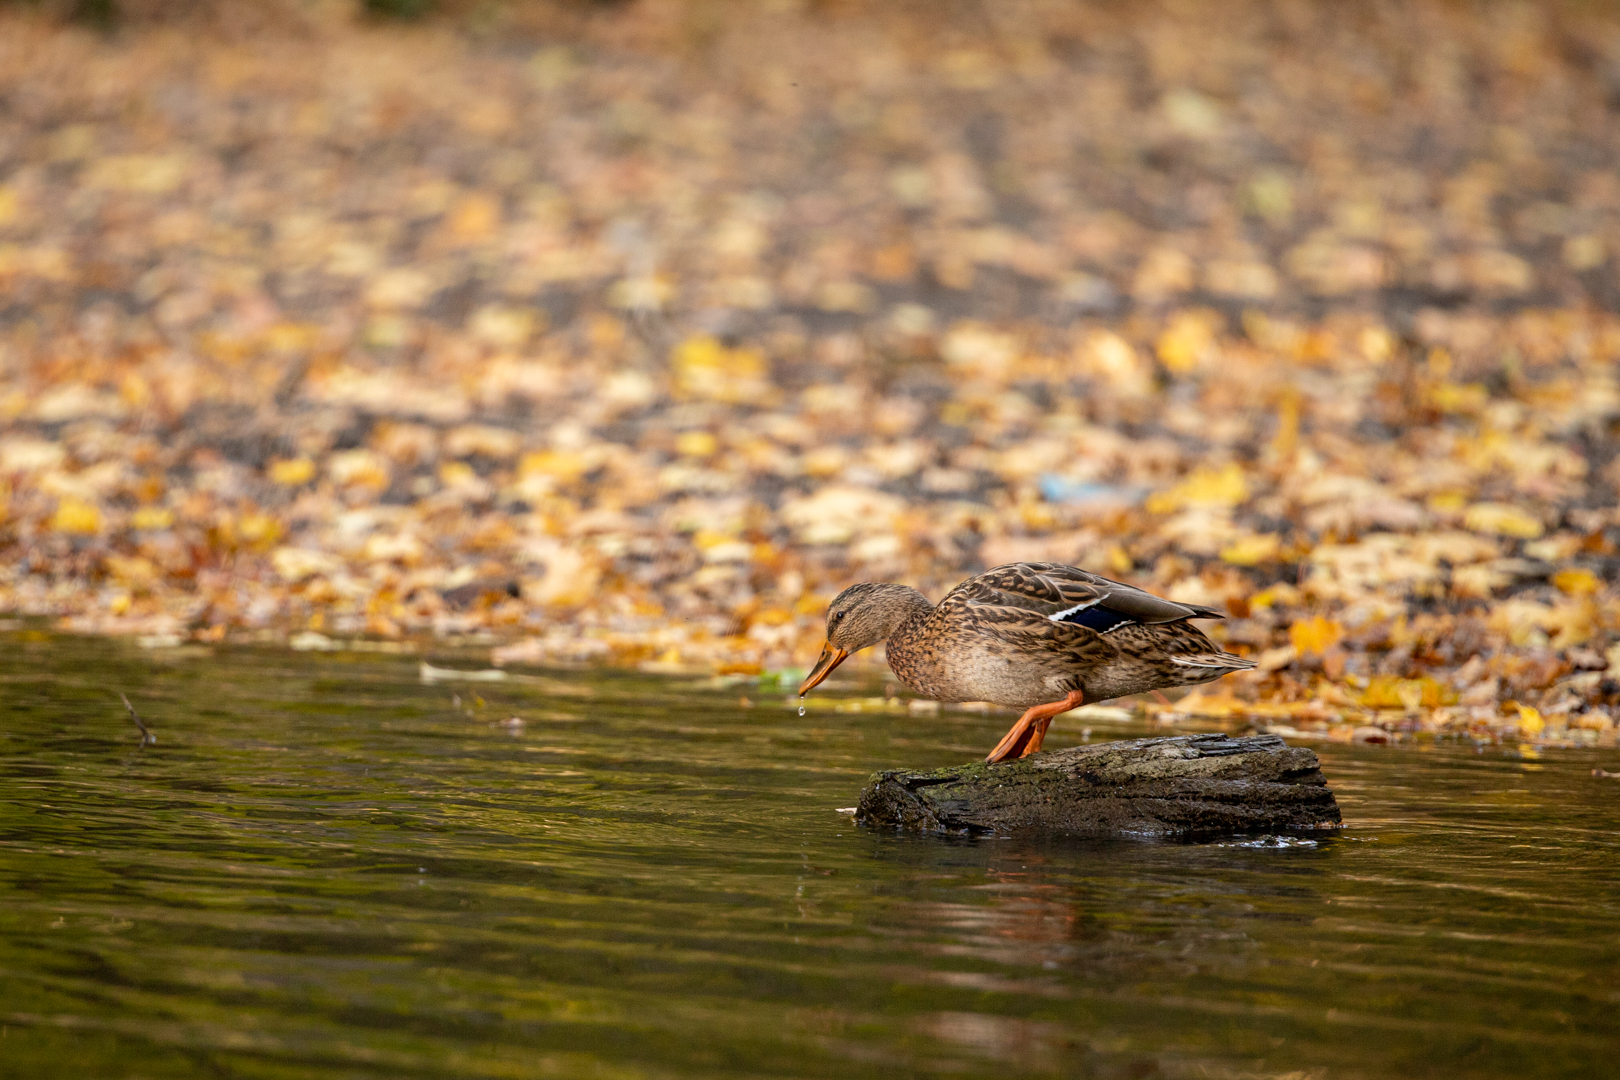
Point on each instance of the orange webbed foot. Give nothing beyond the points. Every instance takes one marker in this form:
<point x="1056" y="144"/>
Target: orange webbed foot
<point x="1026" y="736"/>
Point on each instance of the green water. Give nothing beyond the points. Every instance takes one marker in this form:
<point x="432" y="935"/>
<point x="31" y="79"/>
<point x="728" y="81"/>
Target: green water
<point x="323" y="869"/>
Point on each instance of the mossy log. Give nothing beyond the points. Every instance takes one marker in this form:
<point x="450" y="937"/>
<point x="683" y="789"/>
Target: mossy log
<point x="1181" y="786"/>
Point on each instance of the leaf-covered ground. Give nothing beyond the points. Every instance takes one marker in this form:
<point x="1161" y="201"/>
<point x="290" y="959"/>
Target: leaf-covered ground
<point x="632" y="334"/>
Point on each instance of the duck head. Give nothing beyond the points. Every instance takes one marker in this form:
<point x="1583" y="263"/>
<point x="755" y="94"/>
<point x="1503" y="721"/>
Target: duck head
<point x="859" y="617"/>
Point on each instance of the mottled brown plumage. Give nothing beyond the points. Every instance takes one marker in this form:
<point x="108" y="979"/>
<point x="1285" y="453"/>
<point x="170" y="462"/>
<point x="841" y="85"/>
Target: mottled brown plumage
<point x="1038" y="636"/>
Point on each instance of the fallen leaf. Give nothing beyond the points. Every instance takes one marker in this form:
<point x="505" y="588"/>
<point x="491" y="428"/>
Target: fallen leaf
<point x="1203" y="487"/>
<point x="1387" y="692"/>
<point x="1576" y="581"/>
<point x="1502" y="520"/>
<point x="76" y="518"/>
<point x="292" y="472"/>
<point x="1314" y="636"/>
<point x="1253" y="549"/>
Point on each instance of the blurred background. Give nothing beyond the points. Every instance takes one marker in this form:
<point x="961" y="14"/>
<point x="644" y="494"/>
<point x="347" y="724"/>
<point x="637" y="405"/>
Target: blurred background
<point x="634" y="331"/>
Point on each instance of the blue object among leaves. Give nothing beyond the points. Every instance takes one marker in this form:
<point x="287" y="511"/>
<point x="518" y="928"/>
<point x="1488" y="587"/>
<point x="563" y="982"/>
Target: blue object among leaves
<point x="1064" y="489"/>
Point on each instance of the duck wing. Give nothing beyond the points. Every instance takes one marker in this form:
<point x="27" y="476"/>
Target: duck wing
<point x="1067" y="594"/>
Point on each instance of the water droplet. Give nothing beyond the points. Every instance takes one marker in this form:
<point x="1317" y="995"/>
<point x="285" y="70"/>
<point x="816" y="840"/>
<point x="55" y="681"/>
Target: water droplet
<point x="801" y="704"/>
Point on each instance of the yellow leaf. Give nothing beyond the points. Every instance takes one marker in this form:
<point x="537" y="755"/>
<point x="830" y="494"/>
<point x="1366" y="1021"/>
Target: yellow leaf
<point x="974" y="347"/>
<point x="1280" y="593"/>
<point x="1530" y="721"/>
<point x="506" y="327"/>
<point x="132" y="570"/>
<point x="402" y="287"/>
<point x="76" y="518"/>
<point x="296" y="564"/>
<point x="474" y="218"/>
<point x="1503" y="520"/>
<point x="1191" y="113"/>
<point x="152" y="517"/>
<point x="363" y="468"/>
<point x="1038" y="516"/>
<point x="259" y="531"/>
<point x="1584" y="252"/>
<point x="149" y="174"/>
<point x="699" y="444"/>
<point x="1315" y="635"/>
<point x="774" y="616"/>
<point x="1108" y="357"/>
<point x="1163" y="271"/>
<point x="1253" y="550"/>
<point x="292" y="472"/>
<point x="456" y="474"/>
<point x="135" y="390"/>
<point x="1572" y="622"/>
<point x="1119" y="560"/>
<point x="1447" y="502"/>
<point x="1576" y="581"/>
<point x="1522" y="622"/>
<point x="291" y="337"/>
<point x="1451" y="397"/>
<point x="704" y="368"/>
<point x="705" y="539"/>
<point x="1287" y="438"/>
<point x="1221" y="487"/>
<point x="490" y="442"/>
<point x="1377" y="344"/>
<point x="646" y="293"/>
<point x="1187" y="342"/>
<point x="1387" y="692"/>
<point x="826" y="461"/>
<point x="1203" y="703"/>
<point x="563" y="465"/>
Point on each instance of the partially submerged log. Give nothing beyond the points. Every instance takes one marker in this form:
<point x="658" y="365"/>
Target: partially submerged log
<point x="1182" y="786"/>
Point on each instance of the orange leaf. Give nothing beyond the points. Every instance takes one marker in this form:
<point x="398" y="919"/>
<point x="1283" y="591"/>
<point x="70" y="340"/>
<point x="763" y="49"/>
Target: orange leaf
<point x="1315" y="635"/>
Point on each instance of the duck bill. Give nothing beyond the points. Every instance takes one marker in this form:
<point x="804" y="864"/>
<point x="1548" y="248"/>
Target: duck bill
<point x="829" y="659"/>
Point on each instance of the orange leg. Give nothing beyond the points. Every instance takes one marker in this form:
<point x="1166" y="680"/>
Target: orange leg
<point x="1026" y="736"/>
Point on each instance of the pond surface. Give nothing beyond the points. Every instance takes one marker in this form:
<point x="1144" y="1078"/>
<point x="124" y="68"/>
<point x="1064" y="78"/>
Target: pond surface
<point x="324" y="868"/>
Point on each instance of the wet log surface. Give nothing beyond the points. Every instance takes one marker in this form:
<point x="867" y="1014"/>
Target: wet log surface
<point x="1176" y="787"/>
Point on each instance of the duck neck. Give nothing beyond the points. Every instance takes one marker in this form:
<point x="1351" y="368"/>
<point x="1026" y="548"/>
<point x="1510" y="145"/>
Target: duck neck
<point x="910" y="609"/>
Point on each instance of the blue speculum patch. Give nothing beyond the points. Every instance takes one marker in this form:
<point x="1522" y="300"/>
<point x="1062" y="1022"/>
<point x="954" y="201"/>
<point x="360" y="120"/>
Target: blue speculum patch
<point x="1098" y="618"/>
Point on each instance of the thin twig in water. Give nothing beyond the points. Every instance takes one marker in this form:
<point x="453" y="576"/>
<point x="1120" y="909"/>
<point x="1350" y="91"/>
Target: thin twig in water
<point x="147" y="738"/>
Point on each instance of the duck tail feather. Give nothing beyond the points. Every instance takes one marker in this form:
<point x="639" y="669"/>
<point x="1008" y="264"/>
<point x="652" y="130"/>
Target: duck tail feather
<point x="1228" y="661"/>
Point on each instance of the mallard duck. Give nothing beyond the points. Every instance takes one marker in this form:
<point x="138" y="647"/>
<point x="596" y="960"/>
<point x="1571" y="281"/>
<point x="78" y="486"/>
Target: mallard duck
<point x="1041" y="637"/>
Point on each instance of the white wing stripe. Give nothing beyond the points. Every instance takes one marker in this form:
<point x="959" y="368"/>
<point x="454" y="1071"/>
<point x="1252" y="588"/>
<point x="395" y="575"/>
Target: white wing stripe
<point x="1202" y="661"/>
<point x="1059" y="616"/>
